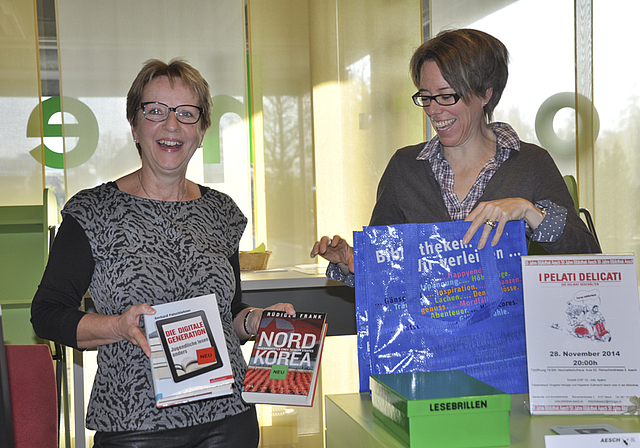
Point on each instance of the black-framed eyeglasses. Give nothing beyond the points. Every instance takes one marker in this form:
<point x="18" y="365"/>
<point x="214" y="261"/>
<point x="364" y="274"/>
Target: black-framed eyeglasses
<point x="185" y="113"/>
<point x="448" y="99"/>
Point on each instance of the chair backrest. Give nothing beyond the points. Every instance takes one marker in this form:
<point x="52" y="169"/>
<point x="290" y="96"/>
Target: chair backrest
<point x="572" y="186"/>
<point x="573" y="190"/>
<point x="34" y="402"/>
<point x="6" y="422"/>
<point x="535" y="248"/>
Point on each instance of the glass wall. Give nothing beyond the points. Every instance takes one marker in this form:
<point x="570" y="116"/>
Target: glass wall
<point x="283" y="127"/>
<point x="331" y="99"/>
<point x="616" y="92"/>
<point x="328" y="84"/>
<point x="539" y="95"/>
<point x="303" y="127"/>
<point x="21" y="175"/>
<point x="103" y="46"/>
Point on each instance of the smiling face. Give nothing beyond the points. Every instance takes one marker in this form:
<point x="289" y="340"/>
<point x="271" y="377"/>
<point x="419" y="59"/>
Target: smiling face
<point x="459" y="125"/>
<point x="167" y="146"/>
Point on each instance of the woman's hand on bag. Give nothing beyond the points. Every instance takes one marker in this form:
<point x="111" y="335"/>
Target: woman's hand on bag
<point x="336" y="250"/>
<point x="495" y="214"/>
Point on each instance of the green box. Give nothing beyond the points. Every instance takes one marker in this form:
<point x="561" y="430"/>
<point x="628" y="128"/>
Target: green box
<point x="441" y="409"/>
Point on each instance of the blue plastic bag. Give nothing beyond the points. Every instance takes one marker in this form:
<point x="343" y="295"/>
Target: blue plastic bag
<point x="427" y="302"/>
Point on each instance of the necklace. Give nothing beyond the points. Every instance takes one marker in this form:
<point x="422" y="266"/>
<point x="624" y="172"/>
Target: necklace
<point x="184" y="193"/>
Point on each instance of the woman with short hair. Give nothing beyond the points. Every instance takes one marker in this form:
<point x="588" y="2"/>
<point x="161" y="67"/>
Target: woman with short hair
<point x="473" y="169"/>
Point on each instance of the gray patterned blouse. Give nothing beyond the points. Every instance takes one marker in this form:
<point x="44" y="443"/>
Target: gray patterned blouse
<point x="156" y="252"/>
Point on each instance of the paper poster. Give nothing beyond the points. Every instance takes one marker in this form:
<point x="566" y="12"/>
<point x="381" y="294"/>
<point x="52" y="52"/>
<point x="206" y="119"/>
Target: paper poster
<point x="582" y="318"/>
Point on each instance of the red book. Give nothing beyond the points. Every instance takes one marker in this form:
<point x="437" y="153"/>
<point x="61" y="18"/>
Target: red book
<point x="284" y="363"/>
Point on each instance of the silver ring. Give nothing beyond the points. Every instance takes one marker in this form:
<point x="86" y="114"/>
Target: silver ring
<point x="491" y="223"/>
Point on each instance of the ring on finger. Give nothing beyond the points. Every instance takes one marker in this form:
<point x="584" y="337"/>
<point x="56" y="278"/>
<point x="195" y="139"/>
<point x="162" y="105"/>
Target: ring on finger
<point x="491" y="223"/>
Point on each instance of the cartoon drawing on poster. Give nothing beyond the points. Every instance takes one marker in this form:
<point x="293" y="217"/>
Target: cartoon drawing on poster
<point x="584" y="318"/>
<point x="634" y="407"/>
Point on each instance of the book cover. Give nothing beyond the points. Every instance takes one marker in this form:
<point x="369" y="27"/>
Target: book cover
<point x="582" y="316"/>
<point x="189" y="358"/>
<point x="284" y="363"/>
<point x="425" y="301"/>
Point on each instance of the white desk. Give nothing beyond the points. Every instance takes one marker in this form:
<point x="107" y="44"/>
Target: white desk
<point x="349" y="424"/>
<point x="286" y="278"/>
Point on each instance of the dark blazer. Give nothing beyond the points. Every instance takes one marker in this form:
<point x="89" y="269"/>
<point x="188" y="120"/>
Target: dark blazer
<point x="408" y="192"/>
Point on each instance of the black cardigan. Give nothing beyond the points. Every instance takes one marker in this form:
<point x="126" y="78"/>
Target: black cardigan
<point x="408" y="192"/>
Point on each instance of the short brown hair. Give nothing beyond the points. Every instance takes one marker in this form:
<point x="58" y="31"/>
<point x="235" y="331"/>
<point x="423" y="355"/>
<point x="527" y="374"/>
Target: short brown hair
<point x="176" y="68"/>
<point x="471" y="61"/>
